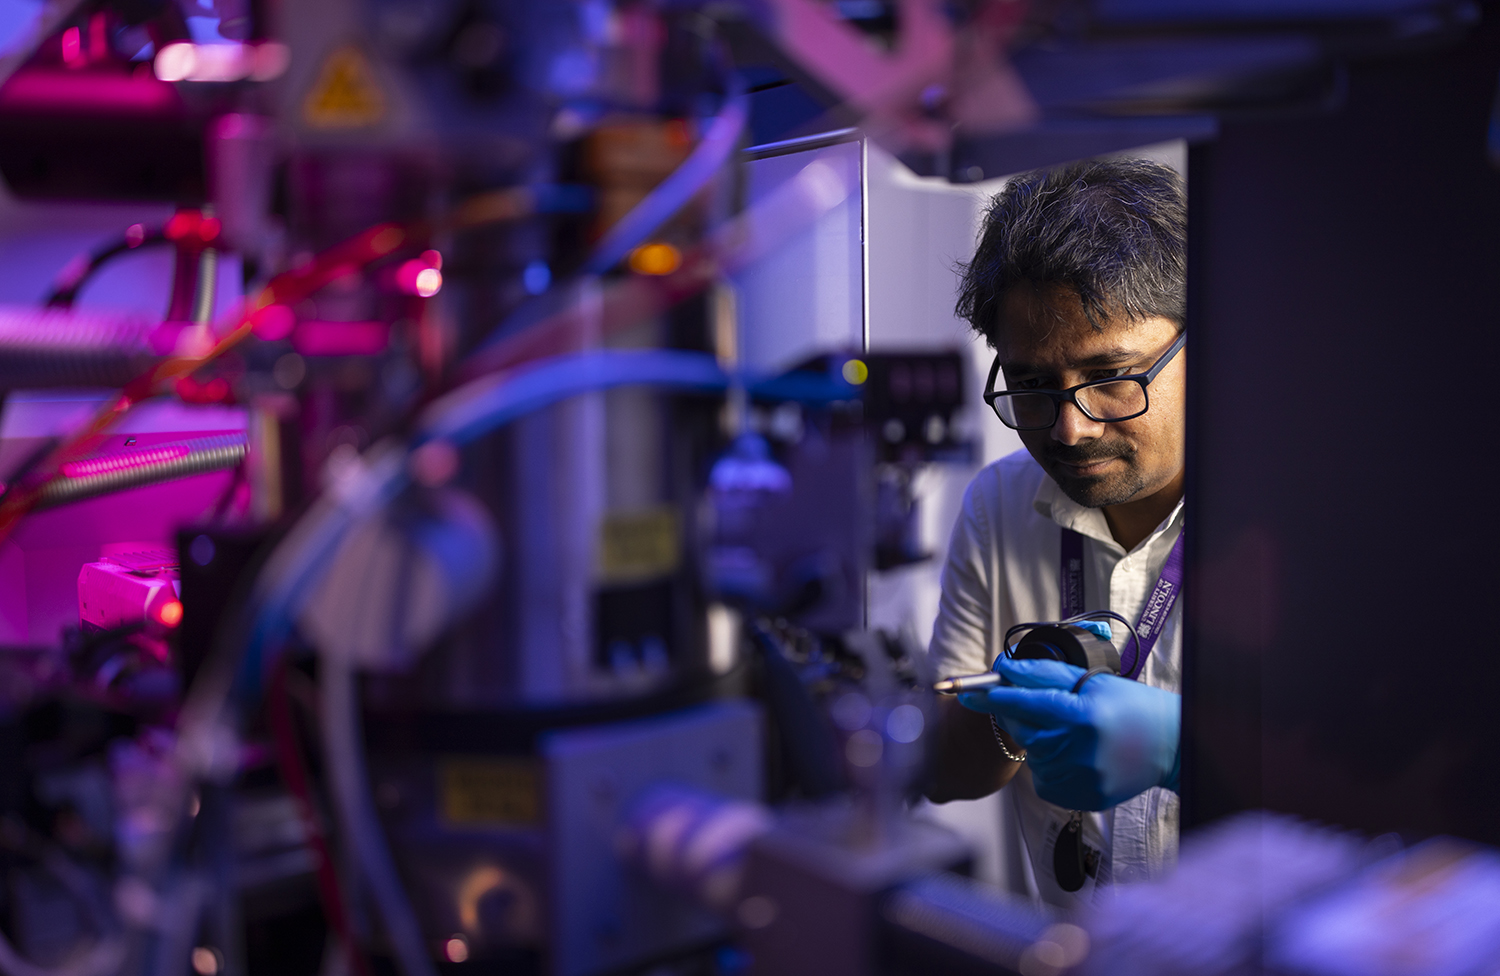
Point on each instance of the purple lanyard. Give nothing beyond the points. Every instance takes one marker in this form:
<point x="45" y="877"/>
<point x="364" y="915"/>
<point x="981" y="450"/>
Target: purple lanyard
<point x="1153" y="615"/>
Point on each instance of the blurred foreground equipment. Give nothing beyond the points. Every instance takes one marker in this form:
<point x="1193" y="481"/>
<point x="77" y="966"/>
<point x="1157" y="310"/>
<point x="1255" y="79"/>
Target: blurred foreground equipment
<point x="490" y="591"/>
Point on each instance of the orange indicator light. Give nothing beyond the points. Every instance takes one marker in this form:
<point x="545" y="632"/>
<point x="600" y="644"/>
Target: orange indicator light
<point x="655" y="259"/>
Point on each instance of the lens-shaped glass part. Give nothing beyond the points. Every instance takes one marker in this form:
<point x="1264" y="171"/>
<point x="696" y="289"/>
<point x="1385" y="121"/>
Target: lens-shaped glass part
<point x="1026" y="410"/>
<point x="1103" y="400"/>
<point x="1112" y="401"/>
<point x="1107" y="401"/>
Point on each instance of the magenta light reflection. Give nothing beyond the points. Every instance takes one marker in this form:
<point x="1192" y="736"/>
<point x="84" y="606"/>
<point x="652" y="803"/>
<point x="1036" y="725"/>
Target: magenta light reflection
<point x="39" y="90"/>
<point x="318" y="338"/>
<point x="124" y="462"/>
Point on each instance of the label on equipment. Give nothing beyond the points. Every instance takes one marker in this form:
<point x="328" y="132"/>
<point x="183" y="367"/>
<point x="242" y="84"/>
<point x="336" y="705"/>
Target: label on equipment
<point x="346" y="94"/>
<point x="639" y="546"/>
<point x="488" y="792"/>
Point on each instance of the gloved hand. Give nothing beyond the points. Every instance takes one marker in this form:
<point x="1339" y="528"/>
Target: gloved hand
<point x="1090" y="751"/>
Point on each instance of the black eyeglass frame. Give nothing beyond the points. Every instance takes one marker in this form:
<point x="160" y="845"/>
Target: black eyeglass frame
<point x="1070" y="395"/>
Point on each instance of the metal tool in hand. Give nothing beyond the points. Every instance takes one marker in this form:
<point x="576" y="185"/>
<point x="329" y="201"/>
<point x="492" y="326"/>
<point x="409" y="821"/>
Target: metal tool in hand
<point x="1061" y="640"/>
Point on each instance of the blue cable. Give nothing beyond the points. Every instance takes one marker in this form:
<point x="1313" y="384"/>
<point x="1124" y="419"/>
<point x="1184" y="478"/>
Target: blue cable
<point x="469" y="413"/>
<point x="715" y="149"/>
<point x="673" y="193"/>
<point x="492" y="402"/>
<point x="483" y="405"/>
<point x="462" y="416"/>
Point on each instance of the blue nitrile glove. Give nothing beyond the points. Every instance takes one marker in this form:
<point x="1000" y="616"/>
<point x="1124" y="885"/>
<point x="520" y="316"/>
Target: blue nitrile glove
<point x="1090" y="751"/>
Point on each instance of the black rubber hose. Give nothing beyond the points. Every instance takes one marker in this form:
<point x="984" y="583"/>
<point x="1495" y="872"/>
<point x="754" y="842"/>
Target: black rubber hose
<point x="67" y="285"/>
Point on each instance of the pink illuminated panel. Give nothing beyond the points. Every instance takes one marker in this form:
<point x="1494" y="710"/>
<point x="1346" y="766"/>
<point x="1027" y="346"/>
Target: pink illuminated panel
<point x="41" y="563"/>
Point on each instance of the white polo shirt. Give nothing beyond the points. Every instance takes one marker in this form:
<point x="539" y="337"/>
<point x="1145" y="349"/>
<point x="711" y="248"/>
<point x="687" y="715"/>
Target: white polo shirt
<point x="1002" y="569"/>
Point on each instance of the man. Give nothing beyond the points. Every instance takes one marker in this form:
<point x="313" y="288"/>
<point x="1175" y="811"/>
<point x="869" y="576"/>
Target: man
<point x="1078" y="280"/>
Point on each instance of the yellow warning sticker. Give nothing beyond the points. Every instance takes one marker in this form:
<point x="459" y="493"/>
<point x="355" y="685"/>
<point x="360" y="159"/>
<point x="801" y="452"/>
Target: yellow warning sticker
<point x="638" y="546"/>
<point x="346" y="94"/>
<point x="488" y="792"/>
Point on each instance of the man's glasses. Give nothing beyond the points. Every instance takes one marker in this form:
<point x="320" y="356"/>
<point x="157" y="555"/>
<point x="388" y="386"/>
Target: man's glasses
<point x="1107" y="400"/>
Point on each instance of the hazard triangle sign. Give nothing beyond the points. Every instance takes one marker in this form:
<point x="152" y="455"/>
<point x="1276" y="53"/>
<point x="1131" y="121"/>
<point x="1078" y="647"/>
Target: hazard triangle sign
<point x="346" y="94"/>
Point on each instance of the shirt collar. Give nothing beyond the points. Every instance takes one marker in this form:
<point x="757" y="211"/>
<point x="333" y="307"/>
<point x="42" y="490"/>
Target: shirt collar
<point x="1050" y="502"/>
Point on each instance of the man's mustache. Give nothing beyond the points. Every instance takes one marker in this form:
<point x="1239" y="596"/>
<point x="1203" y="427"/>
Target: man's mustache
<point x="1087" y="453"/>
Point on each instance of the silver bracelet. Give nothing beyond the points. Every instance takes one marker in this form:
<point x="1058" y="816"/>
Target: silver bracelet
<point x="1005" y="750"/>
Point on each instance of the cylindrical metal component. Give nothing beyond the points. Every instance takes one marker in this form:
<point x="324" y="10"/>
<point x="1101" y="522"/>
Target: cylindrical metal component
<point x="966" y="682"/>
<point x="206" y="286"/>
<point x="146" y="467"/>
<point x="52" y="347"/>
<point x="1070" y="644"/>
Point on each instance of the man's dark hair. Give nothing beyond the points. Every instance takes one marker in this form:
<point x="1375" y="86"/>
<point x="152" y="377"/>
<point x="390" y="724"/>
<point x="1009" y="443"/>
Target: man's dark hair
<point x="1113" y="230"/>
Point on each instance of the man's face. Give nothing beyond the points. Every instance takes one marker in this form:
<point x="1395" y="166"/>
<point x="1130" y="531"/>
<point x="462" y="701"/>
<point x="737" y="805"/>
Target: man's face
<point x="1046" y="342"/>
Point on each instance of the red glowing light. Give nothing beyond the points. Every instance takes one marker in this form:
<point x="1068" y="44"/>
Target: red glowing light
<point x="72" y="48"/>
<point x="183" y="223"/>
<point x="192" y="227"/>
<point x="433" y="259"/>
<point x="216" y="390"/>
<point x="417" y="277"/>
<point x="274" y="322"/>
<point x="169" y="614"/>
